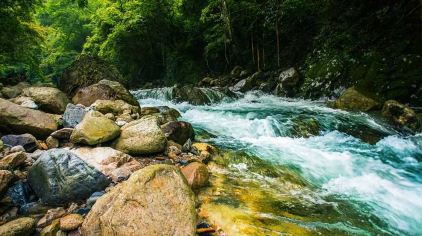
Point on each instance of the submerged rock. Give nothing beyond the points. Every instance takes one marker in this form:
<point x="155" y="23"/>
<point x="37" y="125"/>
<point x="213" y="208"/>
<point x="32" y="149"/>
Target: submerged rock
<point x="19" y="227"/>
<point x="178" y="131"/>
<point x="305" y="127"/>
<point x="400" y="114"/>
<point x="27" y="141"/>
<point x="59" y="177"/>
<point x="18" y="119"/>
<point x="95" y="128"/>
<point x="48" y="99"/>
<point x="142" y="136"/>
<point x="352" y="99"/>
<point x="154" y="201"/>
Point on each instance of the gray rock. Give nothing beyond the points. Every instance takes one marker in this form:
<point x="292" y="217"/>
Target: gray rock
<point x="73" y="115"/>
<point x="178" y="131"/>
<point x="27" y="141"/>
<point x="62" y="133"/>
<point x="59" y="177"/>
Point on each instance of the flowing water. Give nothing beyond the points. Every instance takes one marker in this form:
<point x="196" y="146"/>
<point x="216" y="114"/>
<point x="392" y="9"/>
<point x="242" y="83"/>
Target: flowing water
<point x="270" y="181"/>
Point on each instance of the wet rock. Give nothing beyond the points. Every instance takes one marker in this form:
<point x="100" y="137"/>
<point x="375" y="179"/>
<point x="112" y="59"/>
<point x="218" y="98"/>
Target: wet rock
<point x="149" y="111"/>
<point x="52" y="142"/>
<point x="93" y="198"/>
<point x="5" y="179"/>
<point x="353" y="100"/>
<point x="59" y="177"/>
<point x="196" y="174"/>
<point x="25" y="102"/>
<point x="142" y="136"/>
<point x="12" y="160"/>
<point x="52" y="229"/>
<point x="71" y="222"/>
<point x="305" y="127"/>
<point x="17" y="119"/>
<point x="115" y="164"/>
<point x="62" y="134"/>
<point x="187" y="146"/>
<point x="18" y="227"/>
<point x="20" y="193"/>
<point x="249" y="83"/>
<point x="154" y="201"/>
<point x="178" y="131"/>
<point x="400" y="115"/>
<point x="18" y="148"/>
<point x="27" y="141"/>
<point x="50" y="216"/>
<point x="73" y="115"/>
<point x="95" y="128"/>
<point x="204" y="147"/>
<point x="190" y="94"/>
<point x="33" y="208"/>
<point x="48" y="99"/>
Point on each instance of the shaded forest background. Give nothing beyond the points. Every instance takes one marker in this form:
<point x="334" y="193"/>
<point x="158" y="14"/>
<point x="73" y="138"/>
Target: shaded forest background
<point x="370" y="44"/>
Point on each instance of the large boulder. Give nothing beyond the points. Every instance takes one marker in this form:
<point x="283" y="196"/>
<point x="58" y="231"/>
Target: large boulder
<point x="73" y="115"/>
<point x="190" y="94"/>
<point x="288" y="83"/>
<point x="59" y="177"/>
<point x="47" y="98"/>
<point x="19" y="227"/>
<point x="142" y="136"/>
<point x="249" y="83"/>
<point x="17" y="119"/>
<point x="85" y="71"/>
<point x="178" y="131"/>
<point x="155" y="200"/>
<point x="27" y="141"/>
<point x="114" y="164"/>
<point x="400" y="114"/>
<point x="95" y="128"/>
<point x="104" y="90"/>
<point x="354" y="100"/>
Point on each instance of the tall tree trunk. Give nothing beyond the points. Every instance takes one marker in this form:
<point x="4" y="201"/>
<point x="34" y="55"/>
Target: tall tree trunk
<point x="253" y="49"/>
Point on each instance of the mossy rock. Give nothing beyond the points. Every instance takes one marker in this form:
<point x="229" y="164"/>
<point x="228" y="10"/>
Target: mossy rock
<point x="85" y="71"/>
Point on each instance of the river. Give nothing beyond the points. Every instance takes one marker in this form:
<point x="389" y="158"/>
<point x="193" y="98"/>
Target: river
<point x="270" y="181"/>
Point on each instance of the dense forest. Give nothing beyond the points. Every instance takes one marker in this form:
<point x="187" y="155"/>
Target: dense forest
<point x="332" y="43"/>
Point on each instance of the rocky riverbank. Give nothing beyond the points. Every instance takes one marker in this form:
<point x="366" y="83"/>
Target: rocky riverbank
<point x="95" y="162"/>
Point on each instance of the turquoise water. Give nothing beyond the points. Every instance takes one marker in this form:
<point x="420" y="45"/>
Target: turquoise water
<point x="372" y="189"/>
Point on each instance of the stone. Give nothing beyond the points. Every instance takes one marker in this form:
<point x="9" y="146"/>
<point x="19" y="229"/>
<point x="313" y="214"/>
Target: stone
<point x="20" y="193"/>
<point x="27" y="141"/>
<point x="116" y="107"/>
<point x="289" y="78"/>
<point x="190" y="94"/>
<point x="17" y="119"/>
<point x="149" y="111"/>
<point x="87" y="70"/>
<point x="59" y="177"/>
<point x="178" y="131"/>
<point x="48" y="99"/>
<point x="120" y="92"/>
<point x="52" y="142"/>
<point x="88" y="95"/>
<point x="247" y="84"/>
<point x="19" y="227"/>
<point x="14" y="91"/>
<point x="93" y="198"/>
<point x="305" y="127"/>
<point x="353" y="100"/>
<point x="142" y="136"/>
<point x="62" y="134"/>
<point x="95" y="128"/>
<point x="73" y="115"/>
<point x="6" y="178"/>
<point x="71" y="222"/>
<point x="12" y="160"/>
<point x="18" y="148"/>
<point x="50" y="216"/>
<point x="114" y="164"/>
<point x="236" y="71"/>
<point x="155" y="200"/>
<point x="196" y="174"/>
<point x="110" y="116"/>
<point x="1" y="145"/>
<point x="52" y="229"/>
<point x="25" y="102"/>
<point x="204" y="147"/>
<point x="400" y="114"/>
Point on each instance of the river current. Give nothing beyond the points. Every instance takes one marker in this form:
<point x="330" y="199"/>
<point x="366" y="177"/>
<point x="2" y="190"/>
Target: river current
<point x="270" y="181"/>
